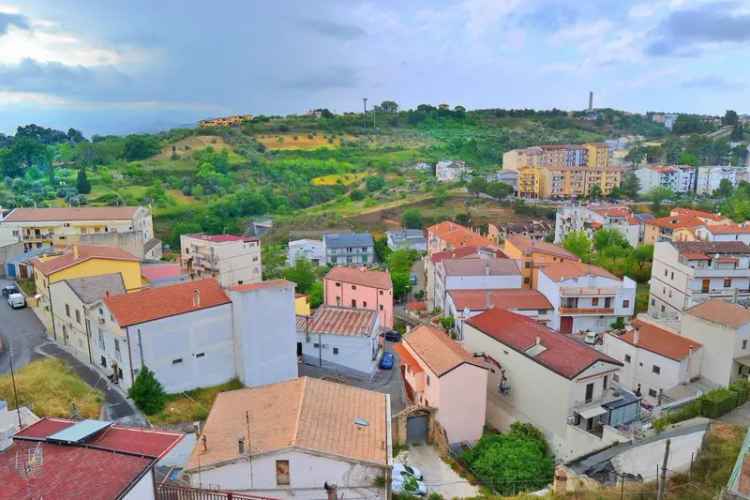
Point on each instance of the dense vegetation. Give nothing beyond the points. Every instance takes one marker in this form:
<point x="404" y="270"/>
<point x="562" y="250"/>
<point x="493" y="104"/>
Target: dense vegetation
<point x="610" y="250"/>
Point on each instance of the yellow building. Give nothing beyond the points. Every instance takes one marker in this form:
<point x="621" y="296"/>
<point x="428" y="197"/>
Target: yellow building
<point x="530" y="182"/>
<point x="301" y="305"/>
<point x="532" y="255"/>
<point x="598" y="154"/>
<point x="82" y="261"/>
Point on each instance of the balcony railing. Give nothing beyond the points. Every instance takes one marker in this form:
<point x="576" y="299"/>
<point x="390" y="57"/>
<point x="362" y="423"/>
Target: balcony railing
<point x="574" y="291"/>
<point x="587" y="310"/>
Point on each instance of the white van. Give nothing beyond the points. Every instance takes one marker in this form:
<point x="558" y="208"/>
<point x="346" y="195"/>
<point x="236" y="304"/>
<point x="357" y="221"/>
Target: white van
<point x="16" y="300"/>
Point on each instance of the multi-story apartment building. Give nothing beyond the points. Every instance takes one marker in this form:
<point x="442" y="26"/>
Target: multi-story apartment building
<point x="585" y="297"/>
<point x="536" y="230"/>
<point x="686" y="273"/>
<point x="724" y="232"/>
<point x="598" y="154"/>
<point x="360" y="289"/>
<point x="347" y="249"/>
<point x="558" y="155"/>
<point x="431" y="262"/>
<point x="568" y="182"/>
<point x="231" y="259"/>
<point x="682" y="224"/>
<point x="710" y="177"/>
<point x="677" y="178"/>
<point x="37" y="227"/>
<point x="532" y="255"/>
<point x="311" y="250"/>
<point x="560" y="385"/>
<point x="448" y="235"/>
<point x="593" y="217"/>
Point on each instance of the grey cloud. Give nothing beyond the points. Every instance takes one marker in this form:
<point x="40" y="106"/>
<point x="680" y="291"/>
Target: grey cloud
<point x="333" y="29"/>
<point x="681" y="32"/>
<point x="333" y="77"/>
<point x="8" y="20"/>
<point x="712" y="83"/>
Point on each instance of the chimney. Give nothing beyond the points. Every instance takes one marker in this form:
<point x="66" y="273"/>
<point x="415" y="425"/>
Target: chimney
<point x="538" y="341"/>
<point x="241" y="445"/>
<point x="106" y="294"/>
<point x="196" y="298"/>
<point x="636" y="336"/>
<point x="75" y="251"/>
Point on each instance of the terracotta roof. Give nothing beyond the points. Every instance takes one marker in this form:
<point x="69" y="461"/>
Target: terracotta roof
<point x="221" y="238"/>
<point x="305" y="413"/>
<point x="438" y="351"/>
<point x="151" y="304"/>
<point x="70" y="214"/>
<point x="721" y="312"/>
<point x="728" y="229"/>
<point x="469" y="251"/>
<point x="358" y="276"/>
<point x="659" y="341"/>
<point x="562" y="354"/>
<point x="407" y="358"/>
<point x="156" y="272"/>
<point x="456" y="235"/>
<point x="332" y="320"/>
<point x="505" y="298"/>
<point x="528" y="246"/>
<point x="697" y="213"/>
<point x="612" y="211"/>
<point x="85" y="252"/>
<point x="561" y="271"/>
<point x="261" y="285"/>
<point x="478" y="266"/>
<point x="676" y="222"/>
<point x="711" y="247"/>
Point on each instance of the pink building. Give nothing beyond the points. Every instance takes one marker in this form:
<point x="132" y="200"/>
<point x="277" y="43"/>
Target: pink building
<point x="439" y="374"/>
<point x="360" y="289"/>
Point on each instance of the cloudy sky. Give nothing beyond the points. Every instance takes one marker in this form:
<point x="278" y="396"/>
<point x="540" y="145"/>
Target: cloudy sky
<point x="108" y="66"/>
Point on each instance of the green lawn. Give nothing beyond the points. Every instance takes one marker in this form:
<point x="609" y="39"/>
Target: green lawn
<point x="641" y="298"/>
<point x="192" y="405"/>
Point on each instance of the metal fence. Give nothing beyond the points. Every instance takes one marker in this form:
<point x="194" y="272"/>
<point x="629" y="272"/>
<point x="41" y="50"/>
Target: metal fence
<point x="174" y="492"/>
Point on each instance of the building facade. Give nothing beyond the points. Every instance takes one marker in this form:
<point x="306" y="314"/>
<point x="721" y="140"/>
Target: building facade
<point x="360" y="289"/>
<point x="410" y="239"/>
<point x="347" y="249"/>
<point x="594" y="217"/>
<point x="451" y="170"/>
<point x="311" y="250"/>
<point x="676" y="178"/>
<point x="533" y="255"/>
<point x="231" y="259"/>
<point x="474" y="274"/>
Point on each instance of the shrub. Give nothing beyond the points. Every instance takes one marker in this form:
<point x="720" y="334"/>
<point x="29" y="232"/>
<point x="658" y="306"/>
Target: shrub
<point x="717" y="403"/>
<point x="147" y="392"/>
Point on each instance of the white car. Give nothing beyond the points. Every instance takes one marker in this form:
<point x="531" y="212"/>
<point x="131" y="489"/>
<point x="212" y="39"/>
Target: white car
<point x="406" y="470"/>
<point x="16" y="300"/>
<point x="408" y="485"/>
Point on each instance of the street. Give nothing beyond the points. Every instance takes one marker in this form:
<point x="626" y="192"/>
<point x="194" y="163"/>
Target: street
<point x="21" y="331"/>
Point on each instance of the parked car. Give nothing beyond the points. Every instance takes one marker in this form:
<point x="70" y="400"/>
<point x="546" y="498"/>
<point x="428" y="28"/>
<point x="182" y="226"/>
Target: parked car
<point x="406" y="470"/>
<point x="16" y="300"/>
<point x="413" y="279"/>
<point x="591" y="338"/>
<point x="10" y="289"/>
<point x="387" y="361"/>
<point x="408" y="485"/>
<point x="392" y="336"/>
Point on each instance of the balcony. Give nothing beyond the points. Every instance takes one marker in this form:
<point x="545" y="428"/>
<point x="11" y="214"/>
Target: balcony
<point x="576" y="291"/>
<point x="596" y="311"/>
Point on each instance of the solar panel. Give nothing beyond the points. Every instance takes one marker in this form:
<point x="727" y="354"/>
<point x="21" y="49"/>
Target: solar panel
<point x="79" y="431"/>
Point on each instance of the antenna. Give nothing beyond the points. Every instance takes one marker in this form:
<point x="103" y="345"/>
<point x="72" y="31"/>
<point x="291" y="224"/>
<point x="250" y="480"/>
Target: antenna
<point x="29" y="463"/>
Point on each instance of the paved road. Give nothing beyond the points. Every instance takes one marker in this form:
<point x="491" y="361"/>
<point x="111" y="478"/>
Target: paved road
<point x="439" y="477"/>
<point x="20" y="330"/>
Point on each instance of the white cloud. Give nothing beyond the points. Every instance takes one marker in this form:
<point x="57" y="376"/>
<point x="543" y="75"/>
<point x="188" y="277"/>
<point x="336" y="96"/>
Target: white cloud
<point x="44" y="44"/>
<point x="482" y="15"/>
<point x="11" y="97"/>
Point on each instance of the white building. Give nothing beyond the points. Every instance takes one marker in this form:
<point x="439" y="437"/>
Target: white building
<point x="677" y="178"/>
<point x="474" y="273"/>
<point x="686" y="273"/>
<point x="723" y="329"/>
<point x="340" y="337"/>
<point x="193" y="335"/>
<point x="311" y="250"/>
<point x="593" y="217"/>
<point x="562" y="386"/>
<point x="585" y="297"/>
<point x="231" y="259"/>
<point x="724" y="232"/>
<point x="412" y="239"/>
<point x="289" y="439"/>
<point x="654" y="359"/>
<point x="710" y="177"/>
<point x="451" y="170"/>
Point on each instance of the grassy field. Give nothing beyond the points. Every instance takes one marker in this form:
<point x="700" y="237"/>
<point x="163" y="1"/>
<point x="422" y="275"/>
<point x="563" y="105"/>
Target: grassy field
<point x="333" y="179"/>
<point x="50" y="388"/>
<point x="315" y="140"/>
<point x="192" y="405"/>
<point x="185" y="147"/>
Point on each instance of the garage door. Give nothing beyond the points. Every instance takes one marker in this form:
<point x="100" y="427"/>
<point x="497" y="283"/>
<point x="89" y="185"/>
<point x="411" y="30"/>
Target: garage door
<point x="416" y="429"/>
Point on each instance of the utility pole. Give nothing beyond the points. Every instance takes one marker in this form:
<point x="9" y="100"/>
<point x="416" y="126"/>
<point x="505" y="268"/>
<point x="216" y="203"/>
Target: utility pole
<point x="663" y="475"/>
<point x="15" y="391"/>
<point x="364" y="119"/>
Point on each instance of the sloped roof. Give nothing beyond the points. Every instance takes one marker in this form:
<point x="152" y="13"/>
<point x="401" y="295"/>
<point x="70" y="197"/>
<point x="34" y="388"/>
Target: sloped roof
<point x="456" y="235"/>
<point x="261" y="285"/>
<point x="529" y="246"/>
<point x="304" y="413"/>
<point x="361" y="276"/>
<point x="676" y="222"/>
<point x="728" y="229"/>
<point x="478" y="266"/>
<point x="221" y="238"/>
<point x="151" y="304"/>
<point x="697" y="213"/>
<point x="561" y="271"/>
<point x="611" y="210"/>
<point x="659" y="341"/>
<point x="70" y="214"/>
<point x="562" y="354"/>
<point x="721" y="312"/>
<point x="468" y="251"/>
<point x="504" y="298"/>
<point x="711" y="247"/>
<point x="84" y="252"/>
<point x="94" y="288"/>
<point x="332" y="320"/>
<point x="439" y="352"/>
<point x="339" y="240"/>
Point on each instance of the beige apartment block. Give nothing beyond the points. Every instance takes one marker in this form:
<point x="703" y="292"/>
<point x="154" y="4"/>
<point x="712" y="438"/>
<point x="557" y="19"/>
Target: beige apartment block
<point x="231" y="259"/>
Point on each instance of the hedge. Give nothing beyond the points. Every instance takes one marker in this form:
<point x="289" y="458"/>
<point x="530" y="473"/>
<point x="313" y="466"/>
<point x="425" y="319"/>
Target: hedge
<point x="713" y="404"/>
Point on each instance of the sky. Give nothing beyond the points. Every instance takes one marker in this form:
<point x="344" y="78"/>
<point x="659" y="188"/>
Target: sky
<point x="112" y="66"/>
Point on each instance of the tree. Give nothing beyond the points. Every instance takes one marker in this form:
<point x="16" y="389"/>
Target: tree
<point x="477" y="185"/>
<point x="140" y="147"/>
<point x="687" y="158"/>
<point x="578" y="243"/>
<point x="375" y="183"/>
<point x="82" y="183"/>
<point x="389" y="106"/>
<point x="725" y="189"/>
<point x="737" y="133"/>
<point x="657" y="196"/>
<point x="631" y="186"/>
<point x="411" y="218"/>
<point x="75" y="136"/>
<point x="147" y="392"/>
<point x="730" y="118"/>
<point x="464" y="218"/>
<point x="399" y="265"/>
<point x="274" y="259"/>
<point x="636" y="155"/>
<point x="316" y="294"/>
<point x="302" y="274"/>
<point x="605" y="238"/>
<point x="595" y="192"/>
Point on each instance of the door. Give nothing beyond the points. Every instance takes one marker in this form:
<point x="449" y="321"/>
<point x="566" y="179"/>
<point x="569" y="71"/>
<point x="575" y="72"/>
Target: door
<point x="705" y="285"/>
<point x="416" y="429"/>
<point x="10" y="269"/>
<point x="566" y="324"/>
<point x="299" y="349"/>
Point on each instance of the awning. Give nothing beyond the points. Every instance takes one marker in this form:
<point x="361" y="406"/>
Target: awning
<point x="592" y="412"/>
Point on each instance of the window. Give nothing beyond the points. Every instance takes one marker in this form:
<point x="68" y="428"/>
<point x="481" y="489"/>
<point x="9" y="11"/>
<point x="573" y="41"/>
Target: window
<point x="728" y="283"/>
<point x="104" y="362"/>
<point x="282" y="472"/>
<point x="671" y="275"/>
<point x="526" y="281"/>
<point x="338" y="284"/>
<point x="354" y="303"/>
<point x="653" y="302"/>
<point x="627" y="358"/>
<point x="354" y="287"/>
<point x="117" y="345"/>
<point x="744" y="344"/>
<point x="656" y="369"/>
<point x="364" y="304"/>
<point x="200" y="355"/>
<point x="428" y="380"/>
<point x="615" y="377"/>
<point x="625" y="304"/>
<point x="589" y="392"/>
<point x="595" y="301"/>
<point x="381" y="292"/>
<point x="652" y="393"/>
<point x="335" y="350"/>
<point x="527" y="264"/>
<point x="665" y="272"/>
<point x="662" y="309"/>
<point x="78" y="316"/>
<point x="381" y="307"/>
<point x="177" y="361"/>
<point x="67" y="310"/>
<point x="604" y="385"/>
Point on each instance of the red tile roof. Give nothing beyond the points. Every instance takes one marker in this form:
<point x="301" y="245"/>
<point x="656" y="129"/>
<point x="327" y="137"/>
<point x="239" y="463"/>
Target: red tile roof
<point x="659" y="341"/>
<point x="676" y="222"/>
<point x="70" y="214"/>
<point x="561" y="271"/>
<point x="456" y="235"/>
<point x="697" y="213"/>
<point x="222" y="238"/>
<point x="84" y="252"/>
<point x="477" y="266"/>
<point x="528" y="246"/>
<point x="334" y="320"/>
<point x="612" y="211"/>
<point x="407" y="358"/>
<point x="470" y="251"/>
<point x="153" y="272"/>
<point x="721" y="312"/>
<point x="44" y="427"/>
<point x="728" y="229"/>
<point x="364" y="277"/>
<point x="438" y="351"/>
<point x="261" y="285"/>
<point x="155" y="303"/>
<point x="504" y="298"/>
<point x="562" y="355"/>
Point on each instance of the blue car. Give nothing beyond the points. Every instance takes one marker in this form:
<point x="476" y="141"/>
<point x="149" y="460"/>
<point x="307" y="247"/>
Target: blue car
<point x="386" y="362"/>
